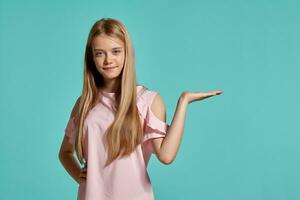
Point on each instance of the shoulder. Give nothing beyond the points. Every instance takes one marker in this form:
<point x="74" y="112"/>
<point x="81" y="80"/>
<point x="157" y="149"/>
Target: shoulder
<point x="145" y="93"/>
<point x="75" y="109"/>
<point x="153" y="100"/>
<point x="157" y="107"/>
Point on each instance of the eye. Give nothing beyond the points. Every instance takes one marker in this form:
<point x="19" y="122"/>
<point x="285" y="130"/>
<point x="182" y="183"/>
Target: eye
<point x="99" y="54"/>
<point x="116" y="51"/>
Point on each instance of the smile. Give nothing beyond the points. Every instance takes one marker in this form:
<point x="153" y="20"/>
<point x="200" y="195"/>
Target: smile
<point x="109" y="68"/>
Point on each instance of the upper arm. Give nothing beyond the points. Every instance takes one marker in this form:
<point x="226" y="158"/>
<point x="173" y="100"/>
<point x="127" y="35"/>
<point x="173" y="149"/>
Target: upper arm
<point x="158" y="109"/>
<point x="66" y="146"/>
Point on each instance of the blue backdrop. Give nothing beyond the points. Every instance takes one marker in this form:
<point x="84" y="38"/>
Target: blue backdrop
<point x="241" y="145"/>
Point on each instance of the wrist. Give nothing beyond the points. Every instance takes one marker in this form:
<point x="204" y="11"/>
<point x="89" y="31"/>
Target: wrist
<point x="183" y="99"/>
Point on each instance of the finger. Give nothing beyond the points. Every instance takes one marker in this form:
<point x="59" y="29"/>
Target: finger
<point x="217" y="92"/>
<point x="202" y="94"/>
<point x="82" y="176"/>
<point x="81" y="180"/>
<point x="83" y="172"/>
<point x="214" y="93"/>
<point x="208" y="94"/>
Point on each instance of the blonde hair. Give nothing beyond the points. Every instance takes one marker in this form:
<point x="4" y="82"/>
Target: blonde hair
<point x="125" y="133"/>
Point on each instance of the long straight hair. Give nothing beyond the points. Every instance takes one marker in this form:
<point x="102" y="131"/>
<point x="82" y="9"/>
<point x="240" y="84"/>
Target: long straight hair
<point x="125" y="133"/>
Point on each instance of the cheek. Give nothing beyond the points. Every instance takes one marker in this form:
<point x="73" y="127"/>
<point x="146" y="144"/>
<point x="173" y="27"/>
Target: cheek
<point x="98" y="63"/>
<point x="121" y="61"/>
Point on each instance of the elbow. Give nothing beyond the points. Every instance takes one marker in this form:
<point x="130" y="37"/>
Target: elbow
<point x="167" y="160"/>
<point x="62" y="155"/>
<point x="64" y="152"/>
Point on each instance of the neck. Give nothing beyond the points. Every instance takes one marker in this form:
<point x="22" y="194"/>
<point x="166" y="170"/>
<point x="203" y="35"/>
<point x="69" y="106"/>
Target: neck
<point x="111" y="85"/>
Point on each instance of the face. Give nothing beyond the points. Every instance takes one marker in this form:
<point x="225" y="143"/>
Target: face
<point x="109" y="56"/>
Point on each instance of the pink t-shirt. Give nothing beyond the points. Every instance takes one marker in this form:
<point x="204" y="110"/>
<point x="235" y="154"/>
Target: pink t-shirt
<point x="125" y="178"/>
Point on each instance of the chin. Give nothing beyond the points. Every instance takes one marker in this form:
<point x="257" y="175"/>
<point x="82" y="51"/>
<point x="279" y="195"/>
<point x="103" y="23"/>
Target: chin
<point x="111" y="76"/>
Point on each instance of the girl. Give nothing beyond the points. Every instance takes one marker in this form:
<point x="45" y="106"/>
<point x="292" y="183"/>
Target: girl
<point x="115" y="124"/>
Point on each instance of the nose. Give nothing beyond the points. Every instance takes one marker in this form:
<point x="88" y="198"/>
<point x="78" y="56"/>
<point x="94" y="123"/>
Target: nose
<point x="107" y="59"/>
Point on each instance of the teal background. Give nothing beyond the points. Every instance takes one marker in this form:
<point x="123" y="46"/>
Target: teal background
<point x="241" y="145"/>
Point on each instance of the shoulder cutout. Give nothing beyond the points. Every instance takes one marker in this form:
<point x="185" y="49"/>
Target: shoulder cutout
<point x="158" y="108"/>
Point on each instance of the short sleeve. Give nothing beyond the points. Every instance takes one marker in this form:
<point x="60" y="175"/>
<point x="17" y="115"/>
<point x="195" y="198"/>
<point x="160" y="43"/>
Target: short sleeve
<point x="154" y="127"/>
<point x="70" y="130"/>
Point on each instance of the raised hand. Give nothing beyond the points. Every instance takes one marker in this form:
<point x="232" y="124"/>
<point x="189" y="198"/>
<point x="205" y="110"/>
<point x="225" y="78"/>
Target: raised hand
<point x="189" y="97"/>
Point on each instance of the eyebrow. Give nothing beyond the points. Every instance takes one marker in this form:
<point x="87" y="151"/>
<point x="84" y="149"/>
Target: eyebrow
<point x="111" y="49"/>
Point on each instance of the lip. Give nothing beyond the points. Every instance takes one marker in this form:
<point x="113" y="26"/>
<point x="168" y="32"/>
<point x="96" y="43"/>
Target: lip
<point x="107" y="68"/>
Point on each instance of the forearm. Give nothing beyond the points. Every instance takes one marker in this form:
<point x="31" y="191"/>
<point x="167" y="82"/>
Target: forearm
<point x="71" y="165"/>
<point x="170" y="144"/>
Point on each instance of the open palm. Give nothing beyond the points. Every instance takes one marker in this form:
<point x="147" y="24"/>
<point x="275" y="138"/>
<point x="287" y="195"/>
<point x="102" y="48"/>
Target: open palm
<point x="197" y="96"/>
